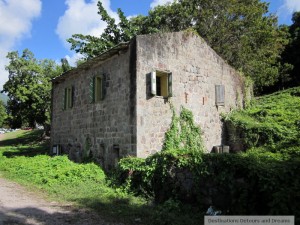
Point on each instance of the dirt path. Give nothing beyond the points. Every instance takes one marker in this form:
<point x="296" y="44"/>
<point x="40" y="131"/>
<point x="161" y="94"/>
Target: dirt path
<point x="20" y="207"/>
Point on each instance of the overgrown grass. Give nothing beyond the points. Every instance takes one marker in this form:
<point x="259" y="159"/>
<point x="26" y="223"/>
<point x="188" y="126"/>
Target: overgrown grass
<point x="23" y="158"/>
<point x="247" y="183"/>
<point x="263" y="180"/>
<point x="271" y="122"/>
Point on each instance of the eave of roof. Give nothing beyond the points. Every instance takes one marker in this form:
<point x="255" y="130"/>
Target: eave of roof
<point x="105" y="55"/>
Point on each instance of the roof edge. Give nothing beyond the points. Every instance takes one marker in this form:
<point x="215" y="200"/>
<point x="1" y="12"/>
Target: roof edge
<point x="103" y="56"/>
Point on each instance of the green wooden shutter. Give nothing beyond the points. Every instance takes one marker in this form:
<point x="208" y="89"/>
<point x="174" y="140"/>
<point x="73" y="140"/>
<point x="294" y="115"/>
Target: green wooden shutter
<point x="170" y="93"/>
<point x="72" y="97"/>
<point x="103" y="88"/>
<point x="153" y="82"/>
<point x="92" y="89"/>
<point x="65" y="99"/>
<point x="220" y="95"/>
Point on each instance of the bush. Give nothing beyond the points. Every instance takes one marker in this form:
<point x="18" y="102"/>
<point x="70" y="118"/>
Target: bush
<point x="270" y="121"/>
<point x="262" y="181"/>
<point x="47" y="171"/>
<point x="133" y="173"/>
<point x="252" y="183"/>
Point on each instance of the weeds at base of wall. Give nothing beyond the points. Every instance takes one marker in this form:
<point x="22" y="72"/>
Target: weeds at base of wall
<point x="262" y="181"/>
<point x="252" y="183"/>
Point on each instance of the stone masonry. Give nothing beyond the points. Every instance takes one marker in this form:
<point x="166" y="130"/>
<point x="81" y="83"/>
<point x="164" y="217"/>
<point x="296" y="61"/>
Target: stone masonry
<point x="196" y="69"/>
<point x="104" y="130"/>
<point x="130" y="120"/>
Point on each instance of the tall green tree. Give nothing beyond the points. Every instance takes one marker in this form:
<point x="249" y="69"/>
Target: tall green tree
<point x="291" y="54"/>
<point x="29" y="88"/>
<point x="91" y="46"/>
<point x="242" y="32"/>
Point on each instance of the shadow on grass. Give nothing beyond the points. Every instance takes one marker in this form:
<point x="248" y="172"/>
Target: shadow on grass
<point x="24" y="138"/>
<point x="121" y="210"/>
<point x="27" y="151"/>
<point x="76" y="216"/>
<point x="61" y="215"/>
<point x="28" y="143"/>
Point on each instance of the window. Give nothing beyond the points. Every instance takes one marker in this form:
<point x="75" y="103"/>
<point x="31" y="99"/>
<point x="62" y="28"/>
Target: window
<point x="97" y="88"/>
<point x="161" y="83"/>
<point x="68" y="97"/>
<point x="220" y="95"/>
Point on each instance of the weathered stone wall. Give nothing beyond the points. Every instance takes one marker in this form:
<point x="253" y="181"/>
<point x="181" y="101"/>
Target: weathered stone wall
<point x="97" y="129"/>
<point x="196" y="69"/>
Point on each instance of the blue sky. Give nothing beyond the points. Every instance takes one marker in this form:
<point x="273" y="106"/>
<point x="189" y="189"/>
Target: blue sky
<point x="44" y="25"/>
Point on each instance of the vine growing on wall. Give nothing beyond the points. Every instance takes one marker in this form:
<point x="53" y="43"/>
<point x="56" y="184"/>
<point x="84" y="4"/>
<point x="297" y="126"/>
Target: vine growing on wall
<point x="183" y="134"/>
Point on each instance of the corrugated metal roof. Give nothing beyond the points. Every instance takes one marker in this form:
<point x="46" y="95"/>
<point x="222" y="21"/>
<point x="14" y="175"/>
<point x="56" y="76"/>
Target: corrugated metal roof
<point x="105" y="55"/>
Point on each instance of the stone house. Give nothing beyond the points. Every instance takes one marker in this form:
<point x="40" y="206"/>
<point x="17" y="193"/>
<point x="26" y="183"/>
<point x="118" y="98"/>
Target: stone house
<point x="117" y="104"/>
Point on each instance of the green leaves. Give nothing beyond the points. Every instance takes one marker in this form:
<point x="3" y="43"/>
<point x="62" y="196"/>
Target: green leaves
<point x="183" y="133"/>
<point x="29" y="88"/>
<point x="291" y="55"/>
<point x="271" y="121"/>
<point x="3" y="113"/>
<point x="90" y="46"/>
<point x="248" y="183"/>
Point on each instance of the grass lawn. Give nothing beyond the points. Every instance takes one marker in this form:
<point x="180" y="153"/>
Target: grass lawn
<point x="24" y="159"/>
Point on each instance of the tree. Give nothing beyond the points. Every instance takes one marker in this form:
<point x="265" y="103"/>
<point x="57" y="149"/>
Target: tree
<point x="65" y="65"/>
<point x="242" y="32"/>
<point x="3" y="114"/>
<point x="291" y="54"/>
<point x="29" y="88"/>
<point x="90" y="46"/>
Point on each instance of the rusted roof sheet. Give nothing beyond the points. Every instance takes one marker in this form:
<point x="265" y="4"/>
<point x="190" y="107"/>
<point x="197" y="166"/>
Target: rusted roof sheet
<point x="105" y="55"/>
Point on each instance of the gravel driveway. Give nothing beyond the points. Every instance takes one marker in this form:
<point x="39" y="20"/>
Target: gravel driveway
<point x="20" y="207"/>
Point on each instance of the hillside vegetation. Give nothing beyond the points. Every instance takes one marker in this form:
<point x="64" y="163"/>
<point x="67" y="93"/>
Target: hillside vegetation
<point x="261" y="179"/>
<point x="271" y="123"/>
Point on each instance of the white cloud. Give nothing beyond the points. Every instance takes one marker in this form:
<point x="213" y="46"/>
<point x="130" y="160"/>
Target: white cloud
<point x="16" y="20"/>
<point x="82" y="18"/>
<point x="160" y="2"/>
<point x="292" y="5"/>
<point x="287" y="8"/>
<point x="73" y="58"/>
<point x="3" y="72"/>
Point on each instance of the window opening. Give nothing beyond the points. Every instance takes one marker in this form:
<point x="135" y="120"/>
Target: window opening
<point x="161" y="83"/>
<point x="97" y="88"/>
<point x="68" y="97"/>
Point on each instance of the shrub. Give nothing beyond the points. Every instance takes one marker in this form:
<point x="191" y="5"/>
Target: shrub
<point x="264" y="180"/>
<point x="252" y="183"/>
<point x="48" y="171"/>
<point x="270" y="121"/>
